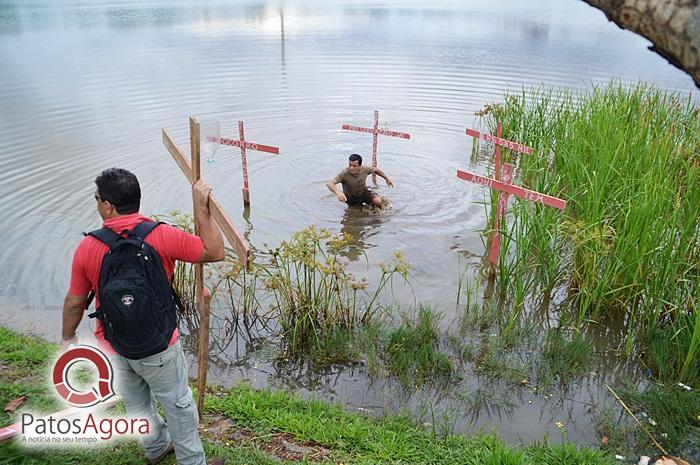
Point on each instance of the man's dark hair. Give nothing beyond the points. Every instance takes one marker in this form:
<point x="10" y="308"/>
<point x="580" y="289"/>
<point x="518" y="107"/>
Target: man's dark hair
<point x="120" y="188"/>
<point x="357" y="158"/>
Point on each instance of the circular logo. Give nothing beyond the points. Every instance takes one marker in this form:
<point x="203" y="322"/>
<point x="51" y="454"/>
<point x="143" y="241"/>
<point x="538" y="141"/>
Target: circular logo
<point x="99" y="393"/>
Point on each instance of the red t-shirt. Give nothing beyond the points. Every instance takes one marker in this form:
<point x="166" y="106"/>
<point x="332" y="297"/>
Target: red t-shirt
<point x="170" y="243"/>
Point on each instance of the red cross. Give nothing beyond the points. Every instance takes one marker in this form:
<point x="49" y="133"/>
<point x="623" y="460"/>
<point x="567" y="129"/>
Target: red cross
<point x="375" y="132"/>
<point x="506" y="189"/>
<point x="243" y="144"/>
<point x="499" y="142"/>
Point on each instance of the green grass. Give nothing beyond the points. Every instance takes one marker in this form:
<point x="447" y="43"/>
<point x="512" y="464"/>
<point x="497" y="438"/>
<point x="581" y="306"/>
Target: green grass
<point x="349" y="438"/>
<point x="565" y="357"/>
<point x="674" y="410"/>
<point x="413" y="352"/>
<point x="362" y="440"/>
<point x="627" y="161"/>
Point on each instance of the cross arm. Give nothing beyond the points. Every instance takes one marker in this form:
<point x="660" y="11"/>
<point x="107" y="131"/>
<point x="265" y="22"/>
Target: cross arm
<point x="518" y="191"/>
<point x="387" y="132"/>
<point x="251" y="146"/>
<point x="500" y="141"/>
<point x="237" y="241"/>
<point x="348" y="127"/>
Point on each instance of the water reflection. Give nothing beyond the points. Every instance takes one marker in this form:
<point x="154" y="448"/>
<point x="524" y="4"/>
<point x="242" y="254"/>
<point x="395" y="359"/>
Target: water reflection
<point x="360" y="223"/>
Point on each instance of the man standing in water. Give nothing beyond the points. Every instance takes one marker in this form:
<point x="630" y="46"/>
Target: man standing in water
<point x="355" y="191"/>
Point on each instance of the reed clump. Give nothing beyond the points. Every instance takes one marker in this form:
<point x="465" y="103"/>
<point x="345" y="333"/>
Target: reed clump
<point x="314" y="297"/>
<point x="413" y="350"/>
<point x="300" y="291"/>
<point x="627" y="161"/>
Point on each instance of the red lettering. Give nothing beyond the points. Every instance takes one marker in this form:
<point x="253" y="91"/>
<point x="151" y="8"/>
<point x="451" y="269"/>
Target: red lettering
<point x="144" y="427"/>
<point x="90" y="423"/>
<point x="108" y="431"/>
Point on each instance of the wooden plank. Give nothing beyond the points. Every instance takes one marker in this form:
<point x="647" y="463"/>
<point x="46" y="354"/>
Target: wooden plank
<point x="347" y="127"/>
<point x="203" y="367"/>
<point x="385" y="132"/>
<point x="202" y="308"/>
<point x="401" y="135"/>
<point x="194" y="150"/>
<point x="237" y="241"/>
<point x="497" y="152"/>
<point x="513" y="189"/>
<point x="500" y="141"/>
<point x="495" y="248"/>
<point x="251" y="146"/>
<point x="375" y="137"/>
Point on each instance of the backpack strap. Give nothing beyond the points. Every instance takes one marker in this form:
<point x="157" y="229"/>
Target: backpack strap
<point x="105" y="235"/>
<point x="144" y="229"/>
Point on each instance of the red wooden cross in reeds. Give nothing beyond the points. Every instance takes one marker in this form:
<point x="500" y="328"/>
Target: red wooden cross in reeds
<point x="375" y="131"/>
<point x="504" y="186"/>
<point x="499" y="142"/>
<point x="243" y="144"/>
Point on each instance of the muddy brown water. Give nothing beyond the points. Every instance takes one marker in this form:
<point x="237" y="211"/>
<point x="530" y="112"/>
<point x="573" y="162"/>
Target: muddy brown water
<point x="87" y="85"/>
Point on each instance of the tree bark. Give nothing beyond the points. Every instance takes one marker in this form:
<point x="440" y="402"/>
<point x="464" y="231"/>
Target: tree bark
<point x="673" y="27"/>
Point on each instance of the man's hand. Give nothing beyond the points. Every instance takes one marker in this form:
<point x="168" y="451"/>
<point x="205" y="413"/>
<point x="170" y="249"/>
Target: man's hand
<point x="200" y="193"/>
<point x="73" y="309"/>
<point x="341" y="197"/>
<point x="389" y="182"/>
<point x="208" y="229"/>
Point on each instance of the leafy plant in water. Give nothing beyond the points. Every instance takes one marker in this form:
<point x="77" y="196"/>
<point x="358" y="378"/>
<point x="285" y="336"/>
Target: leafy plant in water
<point x="313" y="294"/>
<point x="413" y="352"/>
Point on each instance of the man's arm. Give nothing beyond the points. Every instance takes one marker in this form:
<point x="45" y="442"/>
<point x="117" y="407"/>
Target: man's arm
<point x="379" y="172"/>
<point x="331" y="187"/>
<point x="73" y="308"/>
<point x="208" y="229"/>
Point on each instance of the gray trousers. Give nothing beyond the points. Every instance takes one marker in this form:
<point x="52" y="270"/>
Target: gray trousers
<point x="162" y="377"/>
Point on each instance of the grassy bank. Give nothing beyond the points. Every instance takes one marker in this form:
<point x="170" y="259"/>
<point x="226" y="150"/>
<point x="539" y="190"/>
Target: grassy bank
<point x="262" y="427"/>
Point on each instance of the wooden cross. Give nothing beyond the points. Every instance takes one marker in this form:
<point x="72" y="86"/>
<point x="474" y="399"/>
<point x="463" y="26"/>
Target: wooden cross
<point x="506" y="188"/>
<point x="375" y="132"/>
<point x="202" y="296"/>
<point x="499" y="142"/>
<point x="251" y="146"/>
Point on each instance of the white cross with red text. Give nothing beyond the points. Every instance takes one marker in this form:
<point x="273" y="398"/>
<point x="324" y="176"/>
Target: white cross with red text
<point x="375" y="131"/>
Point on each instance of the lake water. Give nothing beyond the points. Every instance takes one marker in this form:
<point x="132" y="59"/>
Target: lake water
<point x="86" y="85"/>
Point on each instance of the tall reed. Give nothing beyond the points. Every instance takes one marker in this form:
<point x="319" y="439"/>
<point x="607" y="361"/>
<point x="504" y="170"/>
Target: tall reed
<point x="627" y="160"/>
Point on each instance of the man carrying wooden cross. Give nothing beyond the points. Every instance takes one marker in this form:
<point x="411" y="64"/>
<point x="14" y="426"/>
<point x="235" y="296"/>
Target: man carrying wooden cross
<point x="129" y="265"/>
<point x="355" y="191"/>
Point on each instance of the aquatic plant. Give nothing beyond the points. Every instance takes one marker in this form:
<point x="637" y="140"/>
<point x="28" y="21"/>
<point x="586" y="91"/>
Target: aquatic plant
<point x="413" y="353"/>
<point x="627" y="160"/>
<point x="314" y="296"/>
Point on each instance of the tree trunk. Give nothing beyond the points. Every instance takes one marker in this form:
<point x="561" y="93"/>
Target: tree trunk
<point x="673" y="26"/>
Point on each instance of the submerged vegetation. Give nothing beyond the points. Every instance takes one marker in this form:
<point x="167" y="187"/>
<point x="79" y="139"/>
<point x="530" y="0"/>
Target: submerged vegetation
<point x="413" y="350"/>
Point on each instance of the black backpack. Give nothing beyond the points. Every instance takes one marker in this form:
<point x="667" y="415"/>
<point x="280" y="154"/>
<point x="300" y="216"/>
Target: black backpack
<point x="138" y="306"/>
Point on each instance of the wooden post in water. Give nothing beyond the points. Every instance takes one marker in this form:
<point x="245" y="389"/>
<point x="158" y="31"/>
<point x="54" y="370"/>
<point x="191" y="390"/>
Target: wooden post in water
<point x="243" y="144"/>
<point x="506" y="187"/>
<point x="498" y="141"/>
